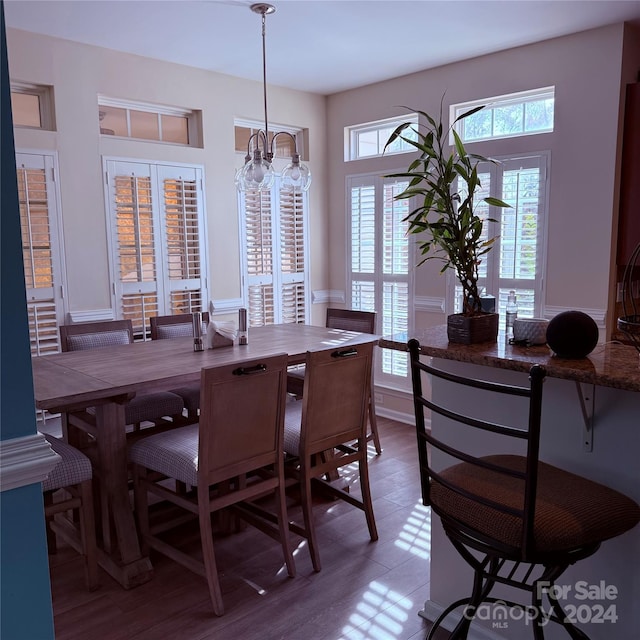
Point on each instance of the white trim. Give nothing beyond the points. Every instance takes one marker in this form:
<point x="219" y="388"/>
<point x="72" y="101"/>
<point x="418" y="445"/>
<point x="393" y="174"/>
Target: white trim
<point x="392" y="414"/>
<point x="91" y="315"/>
<point x="25" y="461"/>
<point x="599" y="315"/>
<point x="429" y="304"/>
<point x="476" y="632"/>
<point x="228" y="305"/>
<point x="150" y="107"/>
<point x="324" y="296"/>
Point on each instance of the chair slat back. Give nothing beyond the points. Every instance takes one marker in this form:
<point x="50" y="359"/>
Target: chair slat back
<point x="93" y="335"/>
<point x="351" y="320"/>
<point x="241" y="417"/>
<point x="337" y="387"/>
<point x="497" y="463"/>
<point x="175" y="326"/>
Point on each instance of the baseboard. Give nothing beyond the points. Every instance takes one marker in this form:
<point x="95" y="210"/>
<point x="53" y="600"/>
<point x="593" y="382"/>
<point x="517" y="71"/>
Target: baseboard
<point x="476" y="632"/>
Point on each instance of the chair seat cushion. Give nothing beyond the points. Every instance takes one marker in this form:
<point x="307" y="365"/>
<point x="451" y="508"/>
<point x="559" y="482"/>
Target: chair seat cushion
<point x="190" y="396"/>
<point x="173" y="453"/>
<point x="73" y="468"/>
<point x="292" y="424"/>
<point x="147" y="407"/>
<point x="571" y="511"/>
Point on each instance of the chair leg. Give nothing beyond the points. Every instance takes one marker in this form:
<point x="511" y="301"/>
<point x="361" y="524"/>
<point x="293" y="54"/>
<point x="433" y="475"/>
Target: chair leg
<point x="363" y="468"/>
<point x="142" y="507"/>
<point x="52" y="543"/>
<point x="283" y="528"/>
<point x="571" y="629"/>
<point x="373" y="423"/>
<point x="88" y="535"/>
<point x="210" y="567"/>
<point x="307" y="513"/>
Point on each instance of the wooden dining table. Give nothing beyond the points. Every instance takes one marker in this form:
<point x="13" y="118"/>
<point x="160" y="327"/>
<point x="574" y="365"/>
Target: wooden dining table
<point x="107" y="378"/>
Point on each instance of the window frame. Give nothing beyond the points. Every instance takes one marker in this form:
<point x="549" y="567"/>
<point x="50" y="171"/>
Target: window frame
<point x="378" y="181"/>
<point x="161" y="286"/>
<point x="352" y="132"/>
<point x="493" y="282"/>
<point x="192" y="116"/>
<point x="278" y="278"/>
<point x="44" y="93"/>
<point x="497" y="102"/>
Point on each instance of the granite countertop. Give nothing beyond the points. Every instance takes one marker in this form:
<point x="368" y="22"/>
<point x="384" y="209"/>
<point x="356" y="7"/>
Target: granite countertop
<point x="608" y="365"/>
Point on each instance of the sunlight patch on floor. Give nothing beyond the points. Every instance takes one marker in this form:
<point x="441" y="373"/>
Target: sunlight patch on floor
<point x="416" y="532"/>
<point x="380" y="615"/>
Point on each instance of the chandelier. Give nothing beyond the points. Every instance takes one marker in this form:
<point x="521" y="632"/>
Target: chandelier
<point x="257" y="172"/>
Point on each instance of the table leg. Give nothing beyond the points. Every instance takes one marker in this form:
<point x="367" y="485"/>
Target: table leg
<point x="132" y="568"/>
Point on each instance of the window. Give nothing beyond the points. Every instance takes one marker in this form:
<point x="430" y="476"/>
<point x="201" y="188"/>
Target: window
<point x="516" y="259"/>
<point x="274" y="237"/>
<point x="41" y="249"/>
<point x="380" y="274"/>
<point x="368" y="140"/>
<point x="284" y="147"/>
<point x="157" y="240"/>
<point x="32" y="106"/>
<point x="516" y="114"/>
<point x="148" y="122"/>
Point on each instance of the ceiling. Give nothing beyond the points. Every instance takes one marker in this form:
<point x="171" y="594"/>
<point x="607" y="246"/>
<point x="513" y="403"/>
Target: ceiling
<point x="321" y="46"/>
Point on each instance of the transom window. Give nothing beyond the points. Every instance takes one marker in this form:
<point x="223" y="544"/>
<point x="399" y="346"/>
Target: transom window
<point x="367" y="140"/>
<point x="515" y="114"/>
<point x="148" y="122"/>
<point x="32" y="106"/>
<point x="284" y="147"/>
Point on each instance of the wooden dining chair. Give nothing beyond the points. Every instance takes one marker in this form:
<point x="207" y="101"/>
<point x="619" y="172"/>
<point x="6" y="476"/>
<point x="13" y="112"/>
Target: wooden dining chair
<point x="158" y="408"/>
<point x="178" y="326"/>
<point x="233" y="456"/>
<point x="320" y="428"/>
<point x="68" y="488"/>
<point x="515" y="519"/>
<point x="347" y="320"/>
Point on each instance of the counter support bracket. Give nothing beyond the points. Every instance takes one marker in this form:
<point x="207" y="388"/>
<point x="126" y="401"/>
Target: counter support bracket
<point x="587" y="394"/>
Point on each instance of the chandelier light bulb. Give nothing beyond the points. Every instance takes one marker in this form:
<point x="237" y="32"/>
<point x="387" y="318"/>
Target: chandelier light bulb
<point x="257" y="174"/>
<point x="296" y="176"/>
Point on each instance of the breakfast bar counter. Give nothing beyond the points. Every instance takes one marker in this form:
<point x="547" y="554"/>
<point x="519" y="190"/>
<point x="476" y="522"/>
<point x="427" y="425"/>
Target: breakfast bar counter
<point x="608" y="365"/>
<point x="590" y="426"/>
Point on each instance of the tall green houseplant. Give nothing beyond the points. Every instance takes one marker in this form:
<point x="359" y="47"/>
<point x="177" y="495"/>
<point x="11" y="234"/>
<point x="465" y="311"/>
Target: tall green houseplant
<point x="446" y="180"/>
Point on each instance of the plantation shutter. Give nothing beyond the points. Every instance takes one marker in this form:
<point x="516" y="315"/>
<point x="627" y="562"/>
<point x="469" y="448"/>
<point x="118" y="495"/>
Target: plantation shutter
<point x="515" y="262"/>
<point x="379" y="259"/>
<point x="157" y="237"/>
<point x="395" y="274"/>
<point x="184" y="238"/>
<point x="41" y="249"/>
<point x="274" y="234"/>
<point x="292" y="257"/>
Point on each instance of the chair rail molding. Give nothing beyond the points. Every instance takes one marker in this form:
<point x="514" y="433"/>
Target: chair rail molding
<point x="324" y="296"/>
<point x="599" y="315"/>
<point x="25" y="461"/>
<point x="227" y="305"/>
<point x="429" y="304"/>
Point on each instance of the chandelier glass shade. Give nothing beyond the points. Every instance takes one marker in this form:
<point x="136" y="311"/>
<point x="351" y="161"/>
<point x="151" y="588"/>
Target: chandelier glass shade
<point x="258" y="172"/>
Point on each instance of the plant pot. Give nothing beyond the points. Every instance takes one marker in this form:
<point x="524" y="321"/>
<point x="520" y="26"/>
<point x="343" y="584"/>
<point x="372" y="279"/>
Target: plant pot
<point x="482" y="327"/>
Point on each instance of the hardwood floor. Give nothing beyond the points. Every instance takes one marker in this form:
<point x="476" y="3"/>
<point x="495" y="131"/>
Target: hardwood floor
<point x="365" y="591"/>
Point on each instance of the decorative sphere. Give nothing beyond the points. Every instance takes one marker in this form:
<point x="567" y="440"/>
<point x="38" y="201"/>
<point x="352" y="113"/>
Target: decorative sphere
<point x="572" y="334"/>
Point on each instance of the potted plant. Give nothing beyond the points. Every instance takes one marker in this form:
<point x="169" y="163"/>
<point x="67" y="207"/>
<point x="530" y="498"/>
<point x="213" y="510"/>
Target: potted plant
<point x="446" y="181"/>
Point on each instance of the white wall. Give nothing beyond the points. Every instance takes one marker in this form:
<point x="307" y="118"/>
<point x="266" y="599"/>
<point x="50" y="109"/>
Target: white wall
<point x="79" y="73"/>
<point x="585" y="69"/>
